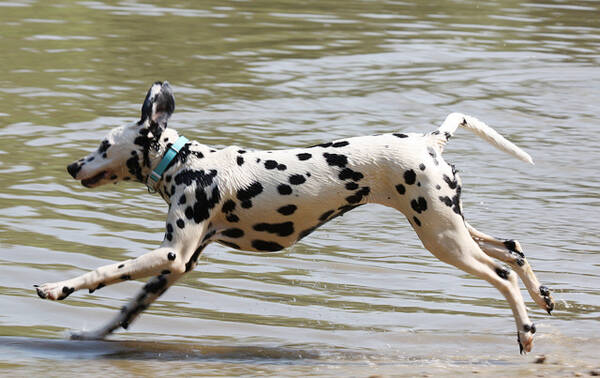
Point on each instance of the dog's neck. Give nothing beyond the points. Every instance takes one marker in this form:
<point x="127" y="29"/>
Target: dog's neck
<point x="159" y="147"/>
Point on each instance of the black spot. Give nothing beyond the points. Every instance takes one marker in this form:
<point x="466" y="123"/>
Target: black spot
<point x="180" y="223"/>
<point x="304" y="156"/>
<point x="171" y="256"/>
<point x="251" y="191"/>
<point x="410" y="177"/>
<point x="351" y="186"/>
<point x="190" y="264"/>
<point x="169" y="228"/>
<point x="419" y="205"/>
<point x="417" y="221"/>
<point x="422" y="166"/>
<point x="297" y="179"/>
<point x="344" y="209"/>
<point x="271" y="164"/>
<point x="232" y="218"/>
<point x="268" y="246"/>
<point x="281" y="167"/>
<point x="182" y="199"/>
<point x="156" y="285"/>
<point x="348" y="173"/>
<point x="520" y="261"/>
<point x="241" y="151"/>
<point x="326" y="215"/>
<point x="400" y="189"/>
<point x="340" y="144"/>
<point x="200" y="177"/>
<point x="197" y="154"/>
<point x="233" y="233"/>
<point x="307" y="232"/>
<point x="284" y="189"/>
<point x="451" y="183"/>
<point x="100" y="286"/>
<point x="240" y="160"/>
<point x="134" y="167"/>
<point x="68" y="290"/>
<point x="169" y="237"/>
<point x="336" y="160"/>
<point x="438" y="187"/>
<point x="120" y="266"/>
<point x="125" y="277"/>
<point x="400" y="135"/>
<point x="511" y="246"/>
<point x="287" y="209"/>
<point x="228" y="206"/>
<point x="104" y="146"/>
<point x="281" y="229"/>
<point x="166" y="271"/>
<point x="201" y="208"/>
<point x="446" y="200"/>
<point x="229" y="244"/>
<point x="527" y="328"/>
<point x="358" y="196"/>
<point x="324" y="145"/>
<point x="502" y="273"/>
<point x="246" y="204"/>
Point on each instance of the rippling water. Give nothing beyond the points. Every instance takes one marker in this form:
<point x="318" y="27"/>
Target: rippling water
<point x="358" y="297"/>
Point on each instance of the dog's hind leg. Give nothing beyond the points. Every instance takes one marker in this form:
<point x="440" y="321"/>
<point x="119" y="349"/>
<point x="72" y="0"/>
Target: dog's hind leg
<point x="149" y="293"/>
<point x="510" y="252"/>
<point x="451" y="243"/>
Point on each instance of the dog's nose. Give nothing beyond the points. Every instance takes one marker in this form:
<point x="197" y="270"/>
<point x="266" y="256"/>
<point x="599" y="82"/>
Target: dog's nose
<point x="74" y="168"/>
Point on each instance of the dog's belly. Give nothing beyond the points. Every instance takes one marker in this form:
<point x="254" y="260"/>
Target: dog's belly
<point x="280" y="222"/>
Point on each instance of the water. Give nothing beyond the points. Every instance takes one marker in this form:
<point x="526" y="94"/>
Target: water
<point x="358" y="297"/>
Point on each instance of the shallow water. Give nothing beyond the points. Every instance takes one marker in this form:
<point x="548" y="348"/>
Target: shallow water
<point x="360" y="296"/>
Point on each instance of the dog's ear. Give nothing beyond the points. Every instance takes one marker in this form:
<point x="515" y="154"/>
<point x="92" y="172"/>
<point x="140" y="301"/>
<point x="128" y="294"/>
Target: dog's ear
<point x="158" y="106"/>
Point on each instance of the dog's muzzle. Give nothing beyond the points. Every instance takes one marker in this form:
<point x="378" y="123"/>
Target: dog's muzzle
<point x="74" y="169"/>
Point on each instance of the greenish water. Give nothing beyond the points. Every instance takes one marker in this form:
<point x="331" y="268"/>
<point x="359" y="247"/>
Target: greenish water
<point x="360" y="296"/>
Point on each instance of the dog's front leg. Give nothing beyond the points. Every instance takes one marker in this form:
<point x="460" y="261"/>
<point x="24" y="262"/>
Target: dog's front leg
<point x="152" y="263"/>
<point x="173" y="256"/>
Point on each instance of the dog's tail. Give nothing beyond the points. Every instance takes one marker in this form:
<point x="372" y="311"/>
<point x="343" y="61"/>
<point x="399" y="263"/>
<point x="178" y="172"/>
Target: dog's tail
<point x="454" y="120"/>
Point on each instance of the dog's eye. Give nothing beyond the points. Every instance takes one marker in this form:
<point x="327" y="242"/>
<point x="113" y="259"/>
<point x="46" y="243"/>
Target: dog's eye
<point x="104" y="146"/>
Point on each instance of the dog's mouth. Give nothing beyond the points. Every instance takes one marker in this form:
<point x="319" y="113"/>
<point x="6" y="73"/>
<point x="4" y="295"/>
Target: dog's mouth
<point x="90" y="182"/>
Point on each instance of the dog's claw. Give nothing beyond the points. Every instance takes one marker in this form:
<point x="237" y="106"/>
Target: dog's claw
<point x="545" y="293"/>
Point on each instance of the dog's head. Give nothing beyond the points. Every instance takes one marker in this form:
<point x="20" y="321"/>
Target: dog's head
<point x="128" y="151"/>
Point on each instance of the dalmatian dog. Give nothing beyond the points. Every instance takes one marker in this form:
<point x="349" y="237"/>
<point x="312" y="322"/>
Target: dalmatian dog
<point x="268" y="200"/>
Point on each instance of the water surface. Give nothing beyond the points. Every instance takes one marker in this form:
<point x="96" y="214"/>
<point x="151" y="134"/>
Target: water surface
<point x="360" y="296"/>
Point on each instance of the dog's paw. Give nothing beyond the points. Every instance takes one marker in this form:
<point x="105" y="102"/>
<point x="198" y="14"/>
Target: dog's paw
<point x="55" y="291"/>
<point x="525" y="338"/>
<point x="86" y="335"/>
<point x="548" y="301"/>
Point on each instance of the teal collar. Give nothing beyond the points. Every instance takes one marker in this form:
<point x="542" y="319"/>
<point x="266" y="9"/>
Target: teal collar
<point x="157" y="173"/>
